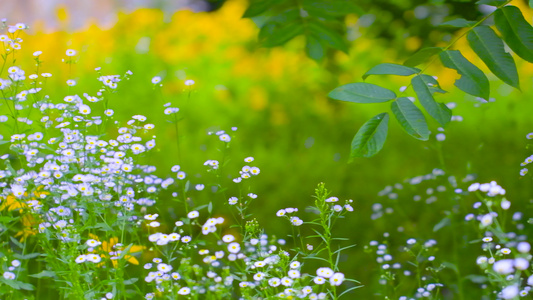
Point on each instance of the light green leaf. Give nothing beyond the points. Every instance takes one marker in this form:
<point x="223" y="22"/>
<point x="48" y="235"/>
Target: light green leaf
<point x="26" y="286"/>
<point x="43" y="274"/>
<point x="459" y="23"/>
<point x="443" y="223"/>
<point x="370" y="138"/>
<point x="491" y="2"/>
<point x="473" y="80"/>
<point x="424" y="88"/>
<point x="27" y="256"/>
<point x="328" y="36"/>
<point x="391" y="69"/>
<point x="314" y="48"/>
<point x="479" y="279"/>
<point x="16" y="242"/>
<point x="489" y="47"/>
<point x="411" y="118"/>
<point x="515" y="30"/>
<point x="362" y="92"/>
<point x="130" y="281"/>
<point x="450" y="265"/>
<point x="422" y="56"/>
<point x="272" y="35"/>
<point x="103" y="226"/>
<point x="332" y="8"/>
<point x="18" y="285"/>
<point x="257" y="7"/>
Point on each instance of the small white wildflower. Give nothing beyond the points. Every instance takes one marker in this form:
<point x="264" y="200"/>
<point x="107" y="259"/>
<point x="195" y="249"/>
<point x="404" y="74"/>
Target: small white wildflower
<point x="70" y="52"/>
<point x="156" y="80"/>
<point x="9" y="275"/>
<point x="486" y="220"/>
<point x="523" y="247"/>
<point x="504" y="266"/>
<point x="228" y="238"/>
<point x="234" y="247"/>
<point x="521" y="263"/>
<point x="225" y="138"/>
<point x="510" y="292"/>
<point x="193" y="214"/>
<point x="81" y="259"/>
<point x="336" y="279"/>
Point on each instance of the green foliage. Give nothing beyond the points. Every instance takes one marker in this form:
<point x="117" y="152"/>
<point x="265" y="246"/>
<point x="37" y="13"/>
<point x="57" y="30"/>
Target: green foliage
<point x="473" y="80"/>
<point x="391" y="69"/>
<point x="371" y="136"/>
<point x="422" y="56"/>
<point x="489" y="47"/>
<point x="411" y="118"/>
<point x="515" y="31"/>
<point x="424" y="86"/>
<point x="459" y="23"/>
<point x="320" y="21"/>
<point x="362" y="92"/>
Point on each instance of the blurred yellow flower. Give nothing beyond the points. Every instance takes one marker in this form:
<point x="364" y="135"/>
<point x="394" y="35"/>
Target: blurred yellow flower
<point x="27" y="220"/>
<point x="111" y="250"/>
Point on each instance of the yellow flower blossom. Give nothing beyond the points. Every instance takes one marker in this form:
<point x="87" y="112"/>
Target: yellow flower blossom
<point x="110" y="248"/>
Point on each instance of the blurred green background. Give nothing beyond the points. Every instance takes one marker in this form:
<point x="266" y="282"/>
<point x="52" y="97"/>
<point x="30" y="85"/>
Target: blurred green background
<point x="278" y="100"/>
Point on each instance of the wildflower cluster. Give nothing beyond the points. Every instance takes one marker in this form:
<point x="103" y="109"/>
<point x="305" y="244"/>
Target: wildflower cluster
<point x="81" y="196"/>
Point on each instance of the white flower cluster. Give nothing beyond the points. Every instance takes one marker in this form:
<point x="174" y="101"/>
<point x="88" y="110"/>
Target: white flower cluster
<point x="492" y="189"/>
<point x="9" y="274"/>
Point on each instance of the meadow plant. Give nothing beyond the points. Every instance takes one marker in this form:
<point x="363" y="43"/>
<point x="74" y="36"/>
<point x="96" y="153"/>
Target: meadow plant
<point x="84" y="216"/>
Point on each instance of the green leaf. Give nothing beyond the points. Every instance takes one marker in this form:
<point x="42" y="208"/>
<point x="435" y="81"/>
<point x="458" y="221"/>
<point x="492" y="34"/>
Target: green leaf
<point x="423" y="86"/>
<point x="391" y="69"/>
<point x="411" y="118"/>
<point x="370" y="138"/>
<point x="16" y="242"/>
<point x="314" y="48"/>
<point x="531" y="3"/>
<point x="450" y="265"/>
<point x="459" y="23"/>
<point x="103" y="226"/>
<point x="257" y="7"/>
<point x="18" y="285"/>
<point x="274" y="34"/>
<point x="27" y="256"/>
<point x="334" y="8"/>
<point x="477" y="278"/>
<point x="328" y="36"/>
<point x="130" y="281"/>
<point x="443" y="223"/>
<point x="489" y="47"/>
<point x="515" y="30"/>
<point x="362" y="92"/>
<point x="491" y="2"/>
<point x="43" y="274"/>
<point x="473" y="80"/>
<point x="422" y="56"/>
<point x="26" y="286"/>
